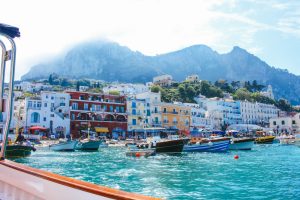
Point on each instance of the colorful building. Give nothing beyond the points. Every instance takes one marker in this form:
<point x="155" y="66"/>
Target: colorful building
<point x="176" y="117"/>
<point x="99" y="113"/>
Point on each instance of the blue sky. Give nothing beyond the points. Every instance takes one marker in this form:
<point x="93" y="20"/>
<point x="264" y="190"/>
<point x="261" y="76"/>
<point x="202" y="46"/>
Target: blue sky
<point x="269" y="29"/>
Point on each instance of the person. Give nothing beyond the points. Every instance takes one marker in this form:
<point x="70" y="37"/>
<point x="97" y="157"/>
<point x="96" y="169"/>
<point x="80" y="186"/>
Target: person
<point x="20" y="138"/>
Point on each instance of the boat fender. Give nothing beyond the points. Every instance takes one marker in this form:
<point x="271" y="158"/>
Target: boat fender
<point x="210" y="143"/>
<point x="154" y="143"/>
<point x="33" y="149"/>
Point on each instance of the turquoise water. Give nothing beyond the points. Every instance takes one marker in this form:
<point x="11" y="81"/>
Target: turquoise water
<point x="266" y="172"/>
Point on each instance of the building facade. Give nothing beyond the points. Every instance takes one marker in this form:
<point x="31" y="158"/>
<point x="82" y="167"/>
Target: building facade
<point x="163" y="80"/>
<point x="99" y="113"/>
<point x="176" y="116"/>
<point x="288" y="124"/>
<point x="49" y="110"/>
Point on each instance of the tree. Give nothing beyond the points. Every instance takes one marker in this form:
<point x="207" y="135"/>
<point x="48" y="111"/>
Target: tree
<point x="155" y="89"/>
<point x="242" y="94"/>
<point x="50" y="79"/>
<point x="77" y="86"/>
<point x="284" y="105"/>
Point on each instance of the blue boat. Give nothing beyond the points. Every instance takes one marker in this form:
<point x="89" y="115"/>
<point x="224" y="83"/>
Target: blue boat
<point x="208" y="145"/>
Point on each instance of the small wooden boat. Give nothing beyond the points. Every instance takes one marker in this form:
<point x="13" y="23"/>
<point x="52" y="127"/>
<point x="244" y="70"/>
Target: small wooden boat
<point x="241" y="143"/>
<point x="171" y="144"/>
<point x="208" y="145"/>
<point x="88" y="145"/>
<point x="265" y="140"/>
<point x="64" y="145"/>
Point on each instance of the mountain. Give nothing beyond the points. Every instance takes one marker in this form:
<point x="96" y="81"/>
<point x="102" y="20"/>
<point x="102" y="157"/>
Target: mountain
<point x="109" y="61"/>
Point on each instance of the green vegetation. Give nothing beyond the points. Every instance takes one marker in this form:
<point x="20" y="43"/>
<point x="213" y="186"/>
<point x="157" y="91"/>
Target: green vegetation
<point x="114" y="92"/>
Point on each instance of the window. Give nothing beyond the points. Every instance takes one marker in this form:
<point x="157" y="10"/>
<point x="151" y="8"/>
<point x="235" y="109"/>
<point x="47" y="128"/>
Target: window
<point x="148" y="113"/>
<point x="45" y="119"/>
<point x="111" y="109"/>
<point x="74" y="106"/>
<point x="52" y="115"/>
<point x="155" y="110"/>
<point x="104" y="108"/>
<point x="52" y="97"/>
<point x="133" y="121"/>
<point x="45" y="104"/>
<point x="35" y="117"/>
<point x="165" y="110"/>
<point x="46" y="96"/>
<point x="293" y="122"/>
<point x="62" y="104"/>
<point x="282" y="122"/>
<point x="29" y="104"/>
<point x="86" y="106"/>
<point x="122" y="109"/>
<point x="174" y="110"/>
<point x="117" y="109"/>
<point x="73" y="116"/>
<point x="133" y="105"/>
<point x="133" y="112"/>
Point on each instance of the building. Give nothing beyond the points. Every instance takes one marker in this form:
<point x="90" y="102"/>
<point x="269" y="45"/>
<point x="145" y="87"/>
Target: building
<point x="163" y="80"/>
<point x="126" y="89"/>
<point x="32" y="87"/>
<point x="98" y="113"/>
<point x="137" y="114"/>
<point x="192" y="78"/>
<point x="288" y="124"/>
<point x="198" y="117"/>
<point x="269" y="92"/>
<point x="226" y="111"/>
<point x="257" y="113"/>
<point x="176" y="117"/>
<point x="50" y="110"/>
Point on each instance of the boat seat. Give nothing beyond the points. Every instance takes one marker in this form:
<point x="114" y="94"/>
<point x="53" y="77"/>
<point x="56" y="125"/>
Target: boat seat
<point x="11" y="31"/>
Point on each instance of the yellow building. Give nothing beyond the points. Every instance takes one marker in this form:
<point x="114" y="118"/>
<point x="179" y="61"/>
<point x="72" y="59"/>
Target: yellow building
<point x="176" y="116"/>
<point x="137" y="114"/>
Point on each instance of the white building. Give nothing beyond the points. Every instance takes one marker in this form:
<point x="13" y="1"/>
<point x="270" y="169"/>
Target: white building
<point x="163" y="80"/>
<point x="224" y="112"/>
<point x="269" y="92"/>
<point x="50" y="110"/>
<point x="289" y="124"/>
<point x="257" y="113"/>
<point x="198" y="117"/>
<point x="192" y="78"/>
<point x="126" y="89"/>
<point x="32" y="87"/>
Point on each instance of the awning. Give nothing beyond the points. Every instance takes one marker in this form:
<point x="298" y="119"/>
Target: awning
<point x="101" y="129"/>
<point x="37" y="128"/>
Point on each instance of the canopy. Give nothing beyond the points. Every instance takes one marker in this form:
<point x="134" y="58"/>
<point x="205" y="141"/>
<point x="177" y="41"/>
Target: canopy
<point x="101" y="129"/>
<point x="37" y="128"/>
<point x="11" y="31"/>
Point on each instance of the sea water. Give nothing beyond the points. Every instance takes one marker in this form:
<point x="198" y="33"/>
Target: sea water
<point x="266" y="172"/>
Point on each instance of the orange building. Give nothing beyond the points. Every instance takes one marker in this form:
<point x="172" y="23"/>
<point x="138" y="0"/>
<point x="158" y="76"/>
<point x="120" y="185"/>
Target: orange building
<point x="176" y="116"/>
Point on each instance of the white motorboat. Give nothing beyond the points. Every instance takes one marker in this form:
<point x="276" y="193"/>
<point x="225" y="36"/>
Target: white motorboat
<point x="64" y="145"/>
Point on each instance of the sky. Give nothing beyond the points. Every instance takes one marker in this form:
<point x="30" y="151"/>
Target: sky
<point x="270" y="29"/>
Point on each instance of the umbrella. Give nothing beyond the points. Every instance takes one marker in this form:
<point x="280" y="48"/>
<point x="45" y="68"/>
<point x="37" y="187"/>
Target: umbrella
<point x="37" y="128"/>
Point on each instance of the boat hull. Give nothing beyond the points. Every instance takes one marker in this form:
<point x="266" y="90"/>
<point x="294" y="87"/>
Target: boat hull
<point x="89" y="146"/>
<point x="265" y="140"/>
<point x="213" y="146"/>
<point x="170" y="146"/>
<point x="64" y="146"/>
<point x="241" y="145"/>
<point x="18" y="151"/>
<point x="21" y="182"/>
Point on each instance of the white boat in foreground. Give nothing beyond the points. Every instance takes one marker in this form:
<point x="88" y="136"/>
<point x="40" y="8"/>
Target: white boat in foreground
<point x="64" y="145"/>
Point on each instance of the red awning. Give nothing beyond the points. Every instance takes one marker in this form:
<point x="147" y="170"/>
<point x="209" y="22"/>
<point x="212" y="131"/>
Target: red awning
<point x="37" y="128"/>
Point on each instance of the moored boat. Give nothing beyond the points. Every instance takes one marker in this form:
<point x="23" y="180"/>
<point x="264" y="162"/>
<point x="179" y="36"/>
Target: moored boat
<point x="241" y="144"/>
<point x="88" y="145"/>
<point x="208" y="145"/>
<point x="64" y="145"/>
<point x="18" y="150"/>
<point x="265" y="140"/>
